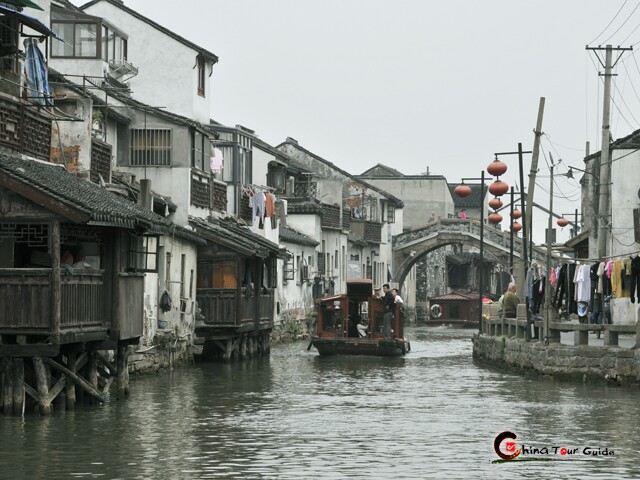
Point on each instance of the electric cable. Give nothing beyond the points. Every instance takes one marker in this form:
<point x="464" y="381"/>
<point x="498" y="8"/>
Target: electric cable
<point x="623" y="23"/>
<point x="609" y="24"/>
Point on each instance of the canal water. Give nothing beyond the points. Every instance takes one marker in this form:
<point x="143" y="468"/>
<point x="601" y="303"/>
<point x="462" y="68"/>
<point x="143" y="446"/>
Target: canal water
<point x="431" y="414"/>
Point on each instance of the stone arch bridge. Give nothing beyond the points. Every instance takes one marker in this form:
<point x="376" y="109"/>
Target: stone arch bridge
<point x="411" y="246"/>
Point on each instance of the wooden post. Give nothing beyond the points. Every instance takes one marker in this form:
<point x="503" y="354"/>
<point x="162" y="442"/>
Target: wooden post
<point x="42" y="382"/>
<point x="92" y="372"/>
<point x="54" y="250"/>
<point x="71" y="386"/>
<point x="18" y="387"/>
<point x="243" y="347"/>
<point x="122" y="370"/>
<point x="7" y="387"/>
<point x="251" y="345"/>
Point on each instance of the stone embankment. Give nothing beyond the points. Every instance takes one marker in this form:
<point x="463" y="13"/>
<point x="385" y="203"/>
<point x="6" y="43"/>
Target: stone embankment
<point x="583" y="362"/>
<point x="505" y="344"/>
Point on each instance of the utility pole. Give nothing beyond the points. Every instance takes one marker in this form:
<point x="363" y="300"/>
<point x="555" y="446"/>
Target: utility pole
<point x="603" y="218"/>
<point x="547" y="289"/>
<point x="534" y="170"/>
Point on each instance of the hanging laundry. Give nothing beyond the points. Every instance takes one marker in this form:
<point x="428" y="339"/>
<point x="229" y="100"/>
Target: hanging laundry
<point x="217" y="160"/>
<point x="259" y="200"/>
<point x="270" y="205"/>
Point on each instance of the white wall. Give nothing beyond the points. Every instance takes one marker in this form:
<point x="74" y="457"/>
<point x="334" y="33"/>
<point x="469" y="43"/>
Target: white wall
<point x="625" y="180"/>
<point x="157" y="283"/>
<point x="166" y="77"/>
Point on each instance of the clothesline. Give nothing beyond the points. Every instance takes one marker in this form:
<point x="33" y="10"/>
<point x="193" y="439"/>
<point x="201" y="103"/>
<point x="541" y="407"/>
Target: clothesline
<point x="609" y="257"/>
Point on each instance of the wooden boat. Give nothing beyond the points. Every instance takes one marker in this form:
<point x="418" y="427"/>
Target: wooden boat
<point x="339" y="315"/>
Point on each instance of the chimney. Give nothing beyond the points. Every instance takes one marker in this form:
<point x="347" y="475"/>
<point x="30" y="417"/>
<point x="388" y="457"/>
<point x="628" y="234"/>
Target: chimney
<point x="144" y="199"/>
<point x="292" y="140"/>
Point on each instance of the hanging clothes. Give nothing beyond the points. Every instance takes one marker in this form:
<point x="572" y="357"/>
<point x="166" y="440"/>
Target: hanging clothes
<point x="269" y="205"/>
<point x="635" y="279"/>
<point x="217" y="160"/>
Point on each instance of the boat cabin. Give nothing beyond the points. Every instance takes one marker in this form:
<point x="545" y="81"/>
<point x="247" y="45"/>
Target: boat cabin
<point x="339" y="315"/>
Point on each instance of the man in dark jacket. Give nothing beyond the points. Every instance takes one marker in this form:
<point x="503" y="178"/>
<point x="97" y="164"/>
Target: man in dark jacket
<point x="388" y="306"/>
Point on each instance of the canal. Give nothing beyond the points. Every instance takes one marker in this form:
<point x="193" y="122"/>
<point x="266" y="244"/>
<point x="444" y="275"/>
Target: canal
<point x="432" y="414"/>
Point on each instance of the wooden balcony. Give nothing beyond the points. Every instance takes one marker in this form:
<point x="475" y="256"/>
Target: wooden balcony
<point x="220" y="308"/>
<point x="24" y="128"/>
<point x="26" y="304"/>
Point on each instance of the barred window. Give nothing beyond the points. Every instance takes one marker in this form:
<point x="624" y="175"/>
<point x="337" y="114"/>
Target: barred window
<point x="151" y="147"/>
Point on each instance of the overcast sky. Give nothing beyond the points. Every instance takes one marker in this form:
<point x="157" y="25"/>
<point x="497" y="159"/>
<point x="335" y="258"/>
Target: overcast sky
<point x="417" y="84"/>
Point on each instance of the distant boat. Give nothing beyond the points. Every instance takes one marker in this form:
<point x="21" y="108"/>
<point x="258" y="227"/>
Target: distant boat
<point x="339" y="315"/>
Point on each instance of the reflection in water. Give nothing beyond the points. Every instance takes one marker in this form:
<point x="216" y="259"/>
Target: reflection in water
<point x="298" y="415"/>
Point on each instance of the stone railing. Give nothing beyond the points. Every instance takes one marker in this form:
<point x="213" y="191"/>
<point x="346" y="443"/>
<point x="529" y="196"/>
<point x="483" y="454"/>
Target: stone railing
<point x="471" y="227"/>
<point x="517" y="328"/>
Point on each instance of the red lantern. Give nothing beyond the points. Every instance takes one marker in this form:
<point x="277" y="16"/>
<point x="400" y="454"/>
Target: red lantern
<point x="495" y="218"/>
<point x="462" y="190"/>
<point x="498" y="188"/>
<point x="516" y="214"/>
<point x="563" y="222"/>
<point x="497" y="168"/>
<point x="495" y="203"/>
<point x="516" y="227"/>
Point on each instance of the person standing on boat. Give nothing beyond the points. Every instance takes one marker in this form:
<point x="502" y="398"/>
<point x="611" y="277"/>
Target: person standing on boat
<point x="397" y="299"/>
<point x="388" y="304"/>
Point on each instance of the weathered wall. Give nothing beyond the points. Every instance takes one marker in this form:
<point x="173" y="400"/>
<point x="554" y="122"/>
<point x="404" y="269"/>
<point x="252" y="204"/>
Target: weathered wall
<point x="582" y="363"/>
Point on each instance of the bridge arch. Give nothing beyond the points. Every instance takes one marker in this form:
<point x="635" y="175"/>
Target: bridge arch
<point x="409" y="247"/>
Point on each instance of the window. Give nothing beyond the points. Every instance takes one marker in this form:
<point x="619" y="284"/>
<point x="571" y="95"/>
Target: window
<point x="8" y="43"/>
<point x="113" y="45"/>
<point x="200" y="142"/>
<point x="391" y="213"/>
<point x="321" y="269"/>
<point x="224" y="275"/>
<point x="81" y="34"/>
<point x="201" y="77"/>
<point x="288" y="271"/>
<point x="151" y="147"/>
<point x="143" y="253"/>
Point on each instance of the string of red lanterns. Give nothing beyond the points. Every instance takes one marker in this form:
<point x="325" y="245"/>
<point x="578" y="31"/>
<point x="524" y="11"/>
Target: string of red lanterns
<point x="497" y="189"/>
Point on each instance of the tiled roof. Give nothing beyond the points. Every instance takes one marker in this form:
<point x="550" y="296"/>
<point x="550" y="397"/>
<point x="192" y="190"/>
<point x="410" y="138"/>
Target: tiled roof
<point x="288" y="234"/>
<point x="228" y="232"/>
<point x="123" y="179"/>
<point x="380" y="170"/>
<point x="473" y="200"/>
<point x="99" y="205"/>
<point x="398" y="203"/>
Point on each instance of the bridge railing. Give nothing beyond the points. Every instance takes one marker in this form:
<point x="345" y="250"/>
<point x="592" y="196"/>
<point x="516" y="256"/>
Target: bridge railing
<point x="490" y="235"/>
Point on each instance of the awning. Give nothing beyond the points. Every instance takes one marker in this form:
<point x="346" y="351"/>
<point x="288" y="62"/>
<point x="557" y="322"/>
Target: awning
<point x="24" y="3"/>
<point x="31" y="22"/>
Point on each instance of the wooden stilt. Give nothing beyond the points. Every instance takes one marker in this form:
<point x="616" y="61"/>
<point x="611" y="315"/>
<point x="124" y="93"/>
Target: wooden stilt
<point x="42" y="383"/>
<point x="243" y="347"/>
<point x="7" y="388"/>
<point x="18" y="387"/>
<point x="228" y="349"/>
<point x="122" y="369"/>
<point x="70" y="384"/>
<point x="92" y="372"/>
<point x="250" y="346"/>
<point x="86" y="386"/>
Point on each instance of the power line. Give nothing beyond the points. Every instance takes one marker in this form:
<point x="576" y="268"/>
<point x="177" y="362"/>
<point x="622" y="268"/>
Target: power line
<point x="623" y="23"/>
<point x="609" y="24"/>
